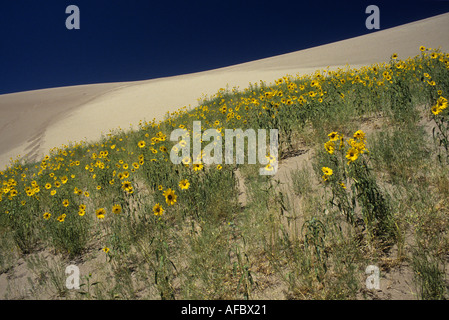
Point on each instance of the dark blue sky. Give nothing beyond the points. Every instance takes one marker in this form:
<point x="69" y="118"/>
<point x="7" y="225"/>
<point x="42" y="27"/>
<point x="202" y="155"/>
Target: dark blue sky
<point x="136" y="40"/>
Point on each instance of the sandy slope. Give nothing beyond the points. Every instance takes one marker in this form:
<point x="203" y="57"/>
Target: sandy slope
<point x="33" y="122"/>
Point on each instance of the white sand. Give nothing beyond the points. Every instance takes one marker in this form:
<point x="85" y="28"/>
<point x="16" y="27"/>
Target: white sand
<point x="33" y="122"/>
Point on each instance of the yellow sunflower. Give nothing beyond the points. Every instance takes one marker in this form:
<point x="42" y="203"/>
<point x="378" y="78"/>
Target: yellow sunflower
<point x="327" y="171"/>
<point x="197" y="166"/>
<point x="170" y="196"/>
<point x="184" y="184"/>
<point x="330" y="147"/>
<point x="100" y="213"/>
<point x="117" y="209"/>
<point x="359" y="135"/>
<point x="352" y="155"/>
<point x="126" y="185"/>
<point x="440" y="106"/>
<point x="158" y="210"/>
<point x="141" y="144"/>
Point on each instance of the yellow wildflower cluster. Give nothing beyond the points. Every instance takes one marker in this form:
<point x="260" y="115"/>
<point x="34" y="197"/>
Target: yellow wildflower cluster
<point x="75" y="179"/>
<point x="356" y="147"/>
<point x="439" y="106"/>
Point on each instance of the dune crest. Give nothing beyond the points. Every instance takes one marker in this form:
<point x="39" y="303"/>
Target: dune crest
<point x="33" y="122"/>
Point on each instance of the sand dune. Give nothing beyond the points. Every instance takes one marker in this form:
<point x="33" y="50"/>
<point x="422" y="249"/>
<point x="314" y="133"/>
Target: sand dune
<point x="33" y="122"/>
